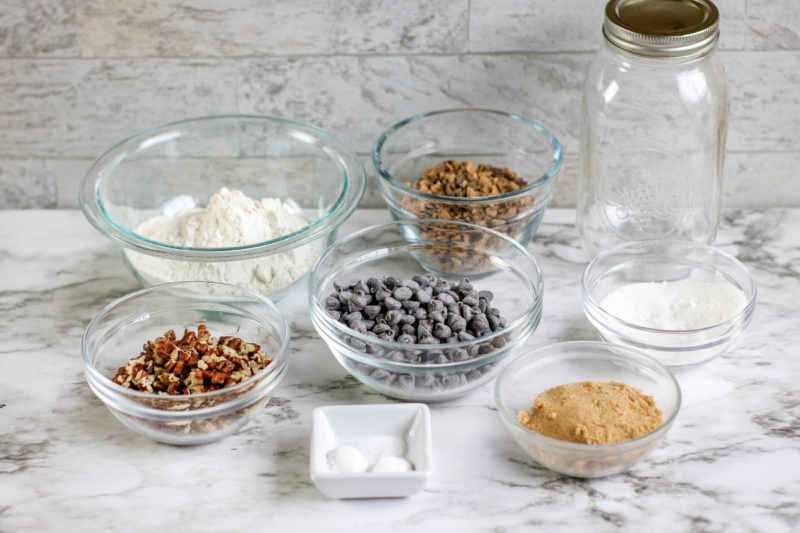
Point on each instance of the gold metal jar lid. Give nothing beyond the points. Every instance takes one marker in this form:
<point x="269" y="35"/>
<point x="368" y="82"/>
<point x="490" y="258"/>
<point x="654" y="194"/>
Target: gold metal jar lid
<point x="662" y="28"/>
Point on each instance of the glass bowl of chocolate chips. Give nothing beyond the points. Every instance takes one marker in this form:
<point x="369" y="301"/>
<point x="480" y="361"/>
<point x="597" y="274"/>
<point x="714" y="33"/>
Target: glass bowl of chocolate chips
<point x="418" y="316"/>
<point x="494" y="169"/>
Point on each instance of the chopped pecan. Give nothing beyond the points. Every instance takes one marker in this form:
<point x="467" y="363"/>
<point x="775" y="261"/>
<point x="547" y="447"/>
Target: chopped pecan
<point x="196" y="363"/>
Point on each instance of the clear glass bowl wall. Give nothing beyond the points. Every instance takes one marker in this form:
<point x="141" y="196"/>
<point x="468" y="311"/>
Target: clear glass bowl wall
<point x="118" y="332"/>
<point x="181" y="165"/>
<point x="491" y="260"/>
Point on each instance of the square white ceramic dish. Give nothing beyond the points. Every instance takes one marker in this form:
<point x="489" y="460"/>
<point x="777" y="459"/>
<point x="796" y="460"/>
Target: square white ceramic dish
<point x="334" y="426"/>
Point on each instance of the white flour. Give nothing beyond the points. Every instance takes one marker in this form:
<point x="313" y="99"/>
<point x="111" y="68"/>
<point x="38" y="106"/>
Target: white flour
<point x="677" y="305"/>
<point x="229" y="219"/>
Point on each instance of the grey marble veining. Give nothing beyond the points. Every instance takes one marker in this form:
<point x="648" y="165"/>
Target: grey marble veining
<point x="772" y="26"/>
<point x="281" y="27"/>
<point x="38" y="28"/>
<point x="731" y="462"/>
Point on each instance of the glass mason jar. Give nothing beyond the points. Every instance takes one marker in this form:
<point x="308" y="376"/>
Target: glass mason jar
<point x="654" y="120"/>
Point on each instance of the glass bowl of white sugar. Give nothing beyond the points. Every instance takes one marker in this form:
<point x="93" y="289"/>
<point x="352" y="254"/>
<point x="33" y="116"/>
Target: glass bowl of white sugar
<point x="681" y="302"/>
<point x="245" y="200"/>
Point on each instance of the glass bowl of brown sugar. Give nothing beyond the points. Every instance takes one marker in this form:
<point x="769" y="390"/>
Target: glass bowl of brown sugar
<point x="490" y="168"/>
<point x="586" y="408"/>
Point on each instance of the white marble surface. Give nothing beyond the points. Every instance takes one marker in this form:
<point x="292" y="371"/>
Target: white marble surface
<point x="730" y="463"/>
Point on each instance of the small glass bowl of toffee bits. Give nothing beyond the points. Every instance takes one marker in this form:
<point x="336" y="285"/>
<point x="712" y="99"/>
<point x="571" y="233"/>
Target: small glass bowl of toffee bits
<point x="586" y="409"/>
<point x="186" y="363"/>
<point x="489" y="168"/>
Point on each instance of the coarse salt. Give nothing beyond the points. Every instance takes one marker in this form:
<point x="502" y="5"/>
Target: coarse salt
<point x="675" y="305"/>
<point x="380" y="454"/>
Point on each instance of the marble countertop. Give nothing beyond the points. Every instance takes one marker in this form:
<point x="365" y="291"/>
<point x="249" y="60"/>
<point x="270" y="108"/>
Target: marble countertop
<point x="731" y="462"/>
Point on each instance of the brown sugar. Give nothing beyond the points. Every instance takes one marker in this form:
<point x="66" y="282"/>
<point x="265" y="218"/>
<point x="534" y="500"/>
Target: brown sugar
<point x="592" y="412"/>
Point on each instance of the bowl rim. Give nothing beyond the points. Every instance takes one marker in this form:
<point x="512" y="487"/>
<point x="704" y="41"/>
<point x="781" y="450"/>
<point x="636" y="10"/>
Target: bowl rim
<point x="591" y="305"/>
<point x="325" y="320"/>
<point x="632" y="355"/>
<point x="96" y="378"/>
<point x="352" y="190"/>
<point x="550" y="174"/>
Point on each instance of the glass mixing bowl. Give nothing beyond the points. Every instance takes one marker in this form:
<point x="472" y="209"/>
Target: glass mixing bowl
<point x="533" y="372"/>
<point x="429" y="372"/>
<point x="118" y="332"/>
<point x="179" y="166"/>
<point x="666" y="261"/>
<point x="403" y="152"/>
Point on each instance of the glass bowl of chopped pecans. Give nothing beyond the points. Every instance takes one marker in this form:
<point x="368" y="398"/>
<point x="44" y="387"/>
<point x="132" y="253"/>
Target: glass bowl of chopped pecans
<point x="186" y="363"/>
<point x="485" y="167"/>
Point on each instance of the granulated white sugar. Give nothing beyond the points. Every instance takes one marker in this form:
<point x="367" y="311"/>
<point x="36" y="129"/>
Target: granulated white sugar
<point x="675" y="305"/>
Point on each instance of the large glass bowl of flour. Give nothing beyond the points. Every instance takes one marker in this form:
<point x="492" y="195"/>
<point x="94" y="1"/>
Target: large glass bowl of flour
<point x="246" y="200"/>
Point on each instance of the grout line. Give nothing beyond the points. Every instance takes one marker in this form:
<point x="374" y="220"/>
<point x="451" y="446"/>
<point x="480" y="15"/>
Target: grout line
<point x="311" y="56"/>
<point x="364" y="55"/>
<point x="78" y="158"/>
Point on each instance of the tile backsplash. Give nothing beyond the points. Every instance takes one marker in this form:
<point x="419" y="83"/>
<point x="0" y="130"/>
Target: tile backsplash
<point x="78" y="75"/>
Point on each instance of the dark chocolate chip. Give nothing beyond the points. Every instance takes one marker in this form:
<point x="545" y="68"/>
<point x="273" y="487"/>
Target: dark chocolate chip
<point x="371" y="311"/>
<point x="405" y="338"/>
<point x="470" y="300"/>
<point x="441" y="331"/>
<point x="456" y="323"/>
<point x="439" y="315"/>
<point x="410" y="283"/>
<point x="344" y="297"/>
<point x="394" y="316"/>
<point x="381" y="327"/>
<point x="465" y="336"/>
<point x="392" y="303"/>
<point x="422" y="281"/>
<point x="446" y="298"/>
<point x="435" y="305"/>
<point x="460" y="355"/>
<point x="410" y="305"/>
<point x="408" y="319"/>
<point x="424" y="295"/>
<point x="391" y="282"/>
<point x="402" y="293"/>
<point x="358" y="344"/>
